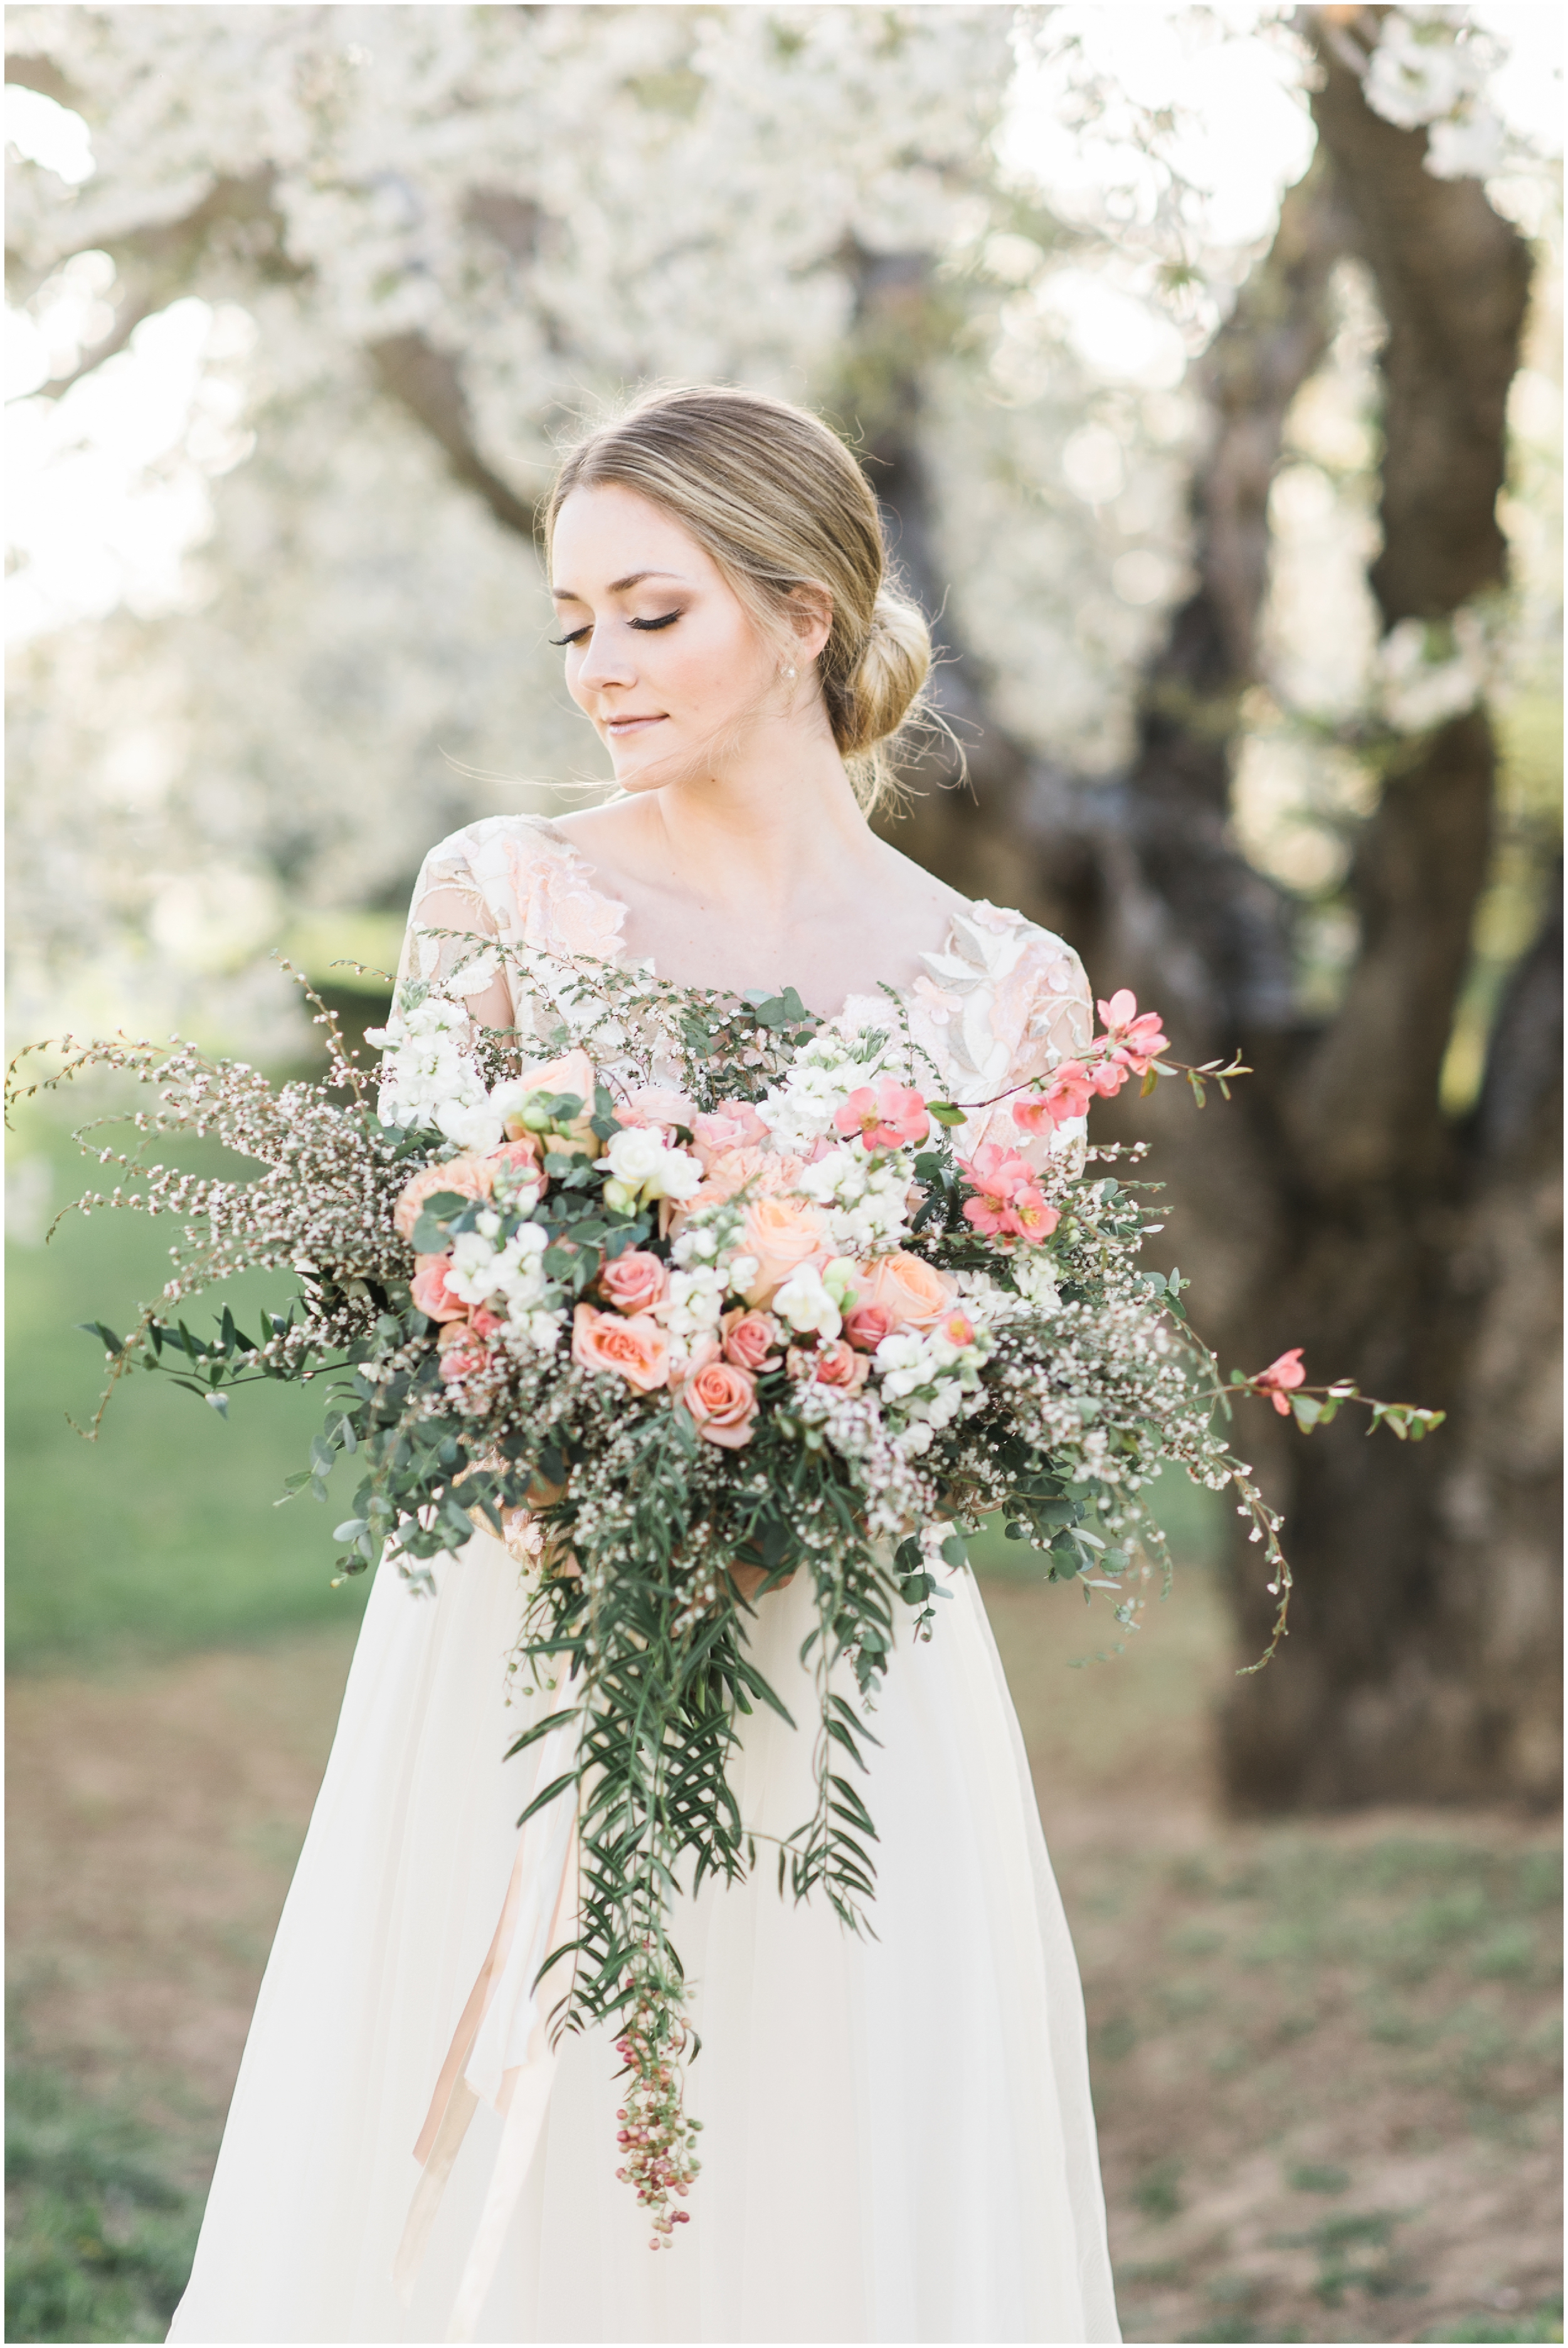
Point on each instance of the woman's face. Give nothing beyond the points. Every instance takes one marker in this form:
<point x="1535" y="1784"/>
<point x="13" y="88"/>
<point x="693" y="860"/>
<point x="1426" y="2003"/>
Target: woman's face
<point x="661" y="653"/>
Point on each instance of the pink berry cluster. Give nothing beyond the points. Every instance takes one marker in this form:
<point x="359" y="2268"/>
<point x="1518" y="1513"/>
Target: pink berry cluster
<point x="657" y="2142"/>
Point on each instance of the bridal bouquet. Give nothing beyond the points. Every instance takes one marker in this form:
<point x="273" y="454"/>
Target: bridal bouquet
<point x="718" y="1293"/>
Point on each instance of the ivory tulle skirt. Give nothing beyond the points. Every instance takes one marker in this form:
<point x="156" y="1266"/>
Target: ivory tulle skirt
<point x="898" y="2140"/>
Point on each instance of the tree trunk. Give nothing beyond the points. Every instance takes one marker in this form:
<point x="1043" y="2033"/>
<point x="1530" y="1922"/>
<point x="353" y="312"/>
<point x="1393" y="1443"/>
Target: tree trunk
<point x="1330" y="1204"/>
<point x="1393" y="1248"/>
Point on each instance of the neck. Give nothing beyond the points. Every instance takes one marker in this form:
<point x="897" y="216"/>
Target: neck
<point x="774" y="823"/>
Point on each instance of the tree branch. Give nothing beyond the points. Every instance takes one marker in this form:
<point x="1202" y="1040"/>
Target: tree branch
<point x="428" y="384"/>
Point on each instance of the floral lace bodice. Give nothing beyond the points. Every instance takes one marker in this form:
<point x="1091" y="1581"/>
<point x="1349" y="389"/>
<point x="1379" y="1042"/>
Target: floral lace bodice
<point x="1002" y="1001"/>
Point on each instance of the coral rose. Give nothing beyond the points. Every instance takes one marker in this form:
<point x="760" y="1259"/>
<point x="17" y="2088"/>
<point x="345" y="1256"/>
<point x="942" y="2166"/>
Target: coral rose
<point x="867" y="1326"/>
<point x="634" y="1282"/>
<point x="749" y="1340"/>
<point x="832" y="1364"/>
<point x="722" y="1399"/>
<point x="781" y="1234"/>
<point x="470" y="1178"/>
<point x="913" y="1291"/>
<point x="635" y="1348"/>
<point x="429" y="1290"/>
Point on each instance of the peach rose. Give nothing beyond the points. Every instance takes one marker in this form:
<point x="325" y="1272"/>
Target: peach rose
<point x="722" y="1399"/>
<point x="867" y="1326"/>
<point x="761" y="1171"/>
<point x="830" y="1364"/>
<point x="519" y="1160"/>
<point x="908" y="1287"/>
<point x="635" y="1348"/>
<point x="656" y="1105"/>
<point x="634" y="1282"/>
<point x="464" y="1358"/>
<point x="572" y="1073"/>
<point x="470" y="1178"/>
<point x="737" y="1125"/>
<point x="782" y="1234"/>
<point x="429" y="1290"/>
<point x="749" y="1340"/>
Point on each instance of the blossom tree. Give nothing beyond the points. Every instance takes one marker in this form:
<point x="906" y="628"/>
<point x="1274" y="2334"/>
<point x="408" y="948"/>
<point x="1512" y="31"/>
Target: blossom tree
<point x="411" y="246"/>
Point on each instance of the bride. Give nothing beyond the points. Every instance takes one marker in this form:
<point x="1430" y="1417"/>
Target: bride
<point x="899" y="2143"/>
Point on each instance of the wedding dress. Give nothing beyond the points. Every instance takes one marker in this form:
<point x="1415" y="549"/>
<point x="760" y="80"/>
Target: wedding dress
<point x="899" y="2142"/>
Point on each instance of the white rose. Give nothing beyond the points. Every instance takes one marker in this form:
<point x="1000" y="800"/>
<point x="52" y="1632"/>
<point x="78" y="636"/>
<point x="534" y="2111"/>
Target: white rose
<point x="676" y="1175"/>
<point x="471" y="1125"/>
<point x="634" y="1154"/>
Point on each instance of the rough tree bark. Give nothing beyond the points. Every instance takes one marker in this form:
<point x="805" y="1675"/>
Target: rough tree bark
<point x="1333" y="1205"/>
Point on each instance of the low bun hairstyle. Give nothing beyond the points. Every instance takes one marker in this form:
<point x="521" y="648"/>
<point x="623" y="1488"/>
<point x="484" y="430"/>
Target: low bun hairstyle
<point x="779" y="503"/>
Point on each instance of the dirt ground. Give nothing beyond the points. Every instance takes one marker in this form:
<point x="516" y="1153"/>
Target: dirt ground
<point x="1323" y="2053"/>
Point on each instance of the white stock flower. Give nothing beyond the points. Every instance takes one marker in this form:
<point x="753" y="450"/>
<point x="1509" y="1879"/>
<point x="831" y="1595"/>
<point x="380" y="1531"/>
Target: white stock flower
<point x="806" y="1303"/>
<point x="1035" y="1273"/>
<point x="696" y="1301"/>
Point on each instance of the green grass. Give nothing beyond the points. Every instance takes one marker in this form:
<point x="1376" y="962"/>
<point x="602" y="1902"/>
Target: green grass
<point x="1193" y="1519"/>
<point x="162" y="1534"/>
<point x="1543" y="2323"/>
<point x="100" y="2237"/>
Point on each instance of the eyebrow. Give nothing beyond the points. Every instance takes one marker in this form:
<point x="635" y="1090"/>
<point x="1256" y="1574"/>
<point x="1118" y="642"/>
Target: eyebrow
<point x="615" y="586"/>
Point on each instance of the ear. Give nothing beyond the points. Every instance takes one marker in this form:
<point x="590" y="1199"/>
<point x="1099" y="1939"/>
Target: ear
<point x="810" y="618"/>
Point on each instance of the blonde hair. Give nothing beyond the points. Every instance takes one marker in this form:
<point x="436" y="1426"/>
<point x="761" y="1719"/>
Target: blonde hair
<point x="778" y="502"/>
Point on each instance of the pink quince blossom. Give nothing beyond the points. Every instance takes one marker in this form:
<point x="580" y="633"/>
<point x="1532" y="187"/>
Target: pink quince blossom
<point x="887" y="1119"/>
<point x="996" y="1172"/>
<point x="1279" y="1377"/>
<point x="1033" y="1217"/>
<point x="1135" y="1036"/>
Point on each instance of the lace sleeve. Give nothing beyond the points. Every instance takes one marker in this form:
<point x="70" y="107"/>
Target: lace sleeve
<point x="447" y="896"/>
<point x="1058" y="1021"/>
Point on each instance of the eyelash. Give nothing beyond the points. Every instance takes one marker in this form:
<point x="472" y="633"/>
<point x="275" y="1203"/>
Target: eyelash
<point x="648" y="626"/>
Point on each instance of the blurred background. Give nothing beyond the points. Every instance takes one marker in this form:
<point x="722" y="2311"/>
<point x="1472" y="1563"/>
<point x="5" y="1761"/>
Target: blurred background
<point x="1207" y="363"/>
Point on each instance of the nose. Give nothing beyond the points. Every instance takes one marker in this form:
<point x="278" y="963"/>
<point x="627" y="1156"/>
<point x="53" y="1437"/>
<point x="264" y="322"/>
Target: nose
<point x="607" y="660"/>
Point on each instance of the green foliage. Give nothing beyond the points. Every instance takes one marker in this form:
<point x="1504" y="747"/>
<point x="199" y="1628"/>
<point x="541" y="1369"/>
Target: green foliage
<point x="100" y="2238"/>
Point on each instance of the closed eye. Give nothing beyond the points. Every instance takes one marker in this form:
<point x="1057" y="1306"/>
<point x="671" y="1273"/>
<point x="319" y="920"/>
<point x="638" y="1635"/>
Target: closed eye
<point x="577" y="635"/>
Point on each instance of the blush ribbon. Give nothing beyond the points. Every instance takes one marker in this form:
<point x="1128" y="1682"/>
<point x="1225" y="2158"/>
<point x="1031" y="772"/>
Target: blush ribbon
<point x="500" y="2051"/>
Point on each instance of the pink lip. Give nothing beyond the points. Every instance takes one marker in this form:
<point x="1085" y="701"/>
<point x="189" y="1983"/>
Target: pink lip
<point x="630" y="725"/>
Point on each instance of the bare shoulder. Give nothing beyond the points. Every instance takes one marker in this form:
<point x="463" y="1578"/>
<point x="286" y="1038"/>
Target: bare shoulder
<point x="616" y="827"/>
<point x="919" y="894"/>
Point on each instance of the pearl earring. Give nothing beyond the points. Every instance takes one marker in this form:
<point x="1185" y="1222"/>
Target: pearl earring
<point x="789" y="672"/>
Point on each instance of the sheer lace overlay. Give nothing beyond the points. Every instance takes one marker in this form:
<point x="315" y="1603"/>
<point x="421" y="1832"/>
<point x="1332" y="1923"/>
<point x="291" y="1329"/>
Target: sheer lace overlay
<point x="1002" y="1001"/>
